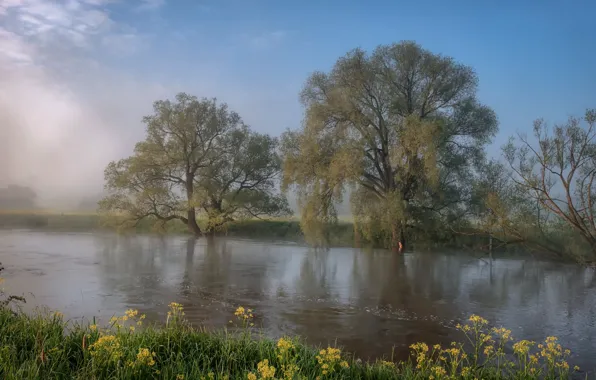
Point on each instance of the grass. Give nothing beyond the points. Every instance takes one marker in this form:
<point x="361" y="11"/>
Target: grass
<point x="43" y="345"/>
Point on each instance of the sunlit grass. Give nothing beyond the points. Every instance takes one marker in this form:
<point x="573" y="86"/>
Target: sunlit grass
<point x="43" y="345"/>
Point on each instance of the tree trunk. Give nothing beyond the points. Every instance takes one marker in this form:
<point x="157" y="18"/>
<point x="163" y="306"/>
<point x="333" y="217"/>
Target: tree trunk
<point x="398" y="239"/>
<point x="192" y="222"/>
<point x="192" y="214"/>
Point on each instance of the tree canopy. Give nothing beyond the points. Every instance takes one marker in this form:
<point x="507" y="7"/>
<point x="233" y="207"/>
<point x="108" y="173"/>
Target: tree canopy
<point x="198" y="158"/>
<point x="554" y="176"/>
<point x="401" y="128"/>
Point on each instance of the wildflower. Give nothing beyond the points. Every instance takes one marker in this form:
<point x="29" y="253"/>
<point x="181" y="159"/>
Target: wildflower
<point x="387" y="364"/>
<point x="284" y="345"/>
<point x="344" y="364"/>
<point x="132" y="328"/>
<point x="438" y="371"/>
<point x="130" y="313"/>
<point x="576" y="368"/>
<point x="58" y="314"/>
<point x="437" y="347"/>
<point x="179" y="376"/>
<point x="93" y="327"/>
<point x="289" y="370"/>
<point x="478" y="320"/>
<point x="266" y="371"/>
<point x="243" y="313"/>
<point x="107" y="347"/>
<point x="502" y="333"/>
<point x="251" y="376"/>
<point x="522" y="347"/>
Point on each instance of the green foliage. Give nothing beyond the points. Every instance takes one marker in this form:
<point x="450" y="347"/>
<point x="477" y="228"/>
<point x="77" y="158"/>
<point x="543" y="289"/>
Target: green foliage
<point x="198" y="156"/>
<point x="544" y="195"/>
<point x="43" y="345"/>
<point x="401" y="128"/>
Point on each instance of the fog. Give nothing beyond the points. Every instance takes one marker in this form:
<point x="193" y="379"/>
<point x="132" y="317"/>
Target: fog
<point x="63" y="116"/>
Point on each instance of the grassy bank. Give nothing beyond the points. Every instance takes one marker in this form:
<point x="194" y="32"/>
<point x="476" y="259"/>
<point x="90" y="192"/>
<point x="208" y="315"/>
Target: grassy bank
<point x="45" y="346"/>
<point x="341" y="234"/>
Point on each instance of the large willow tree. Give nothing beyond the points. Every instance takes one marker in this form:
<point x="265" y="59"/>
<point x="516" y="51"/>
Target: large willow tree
<point x="401" y="127"/>
<point x="197" y="159"/>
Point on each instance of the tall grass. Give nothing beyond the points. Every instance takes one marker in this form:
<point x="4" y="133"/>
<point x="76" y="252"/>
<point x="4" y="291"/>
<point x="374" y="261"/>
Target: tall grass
<point x="43" y="346"/>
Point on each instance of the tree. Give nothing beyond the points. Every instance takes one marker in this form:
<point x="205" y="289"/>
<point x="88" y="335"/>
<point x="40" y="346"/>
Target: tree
<point x="558" y="172"/>
<point x="401" y="128"/>
<point x="198" y="156"/>
<point x="15" y="197"/>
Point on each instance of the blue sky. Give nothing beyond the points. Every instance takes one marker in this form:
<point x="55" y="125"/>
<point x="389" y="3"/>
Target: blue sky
<point x="93" y="67"/>
<point x="533" y="58"/>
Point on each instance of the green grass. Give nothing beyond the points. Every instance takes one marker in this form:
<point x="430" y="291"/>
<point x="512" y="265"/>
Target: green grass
<point x="44" y="346"/>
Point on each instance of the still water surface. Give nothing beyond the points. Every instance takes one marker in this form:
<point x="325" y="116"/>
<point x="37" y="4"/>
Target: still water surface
<point x="369" y="301"/>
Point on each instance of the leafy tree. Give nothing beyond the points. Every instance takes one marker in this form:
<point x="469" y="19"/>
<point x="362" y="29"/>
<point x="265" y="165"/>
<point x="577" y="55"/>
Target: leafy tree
<point x="401" y="128"/>
<point x="197" y="157"/>
<point x="558" y="173"/>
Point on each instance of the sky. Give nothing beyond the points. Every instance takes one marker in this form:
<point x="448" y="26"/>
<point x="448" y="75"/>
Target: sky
<point x="76" y="76"/>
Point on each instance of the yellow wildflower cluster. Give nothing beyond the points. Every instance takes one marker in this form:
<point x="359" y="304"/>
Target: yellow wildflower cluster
<point x="328" y="359"/>
<point x="106" y="348"/>
<point x="523" y="347"/>
<point x="145" y="357"/>
<point x="420" y="352"/>
<point x="265" y="370"/>
<point x="176" y="308"/>
<point x="176" y="313"/>
<point x="243" y="313"/>
<point x="130" y="315"/>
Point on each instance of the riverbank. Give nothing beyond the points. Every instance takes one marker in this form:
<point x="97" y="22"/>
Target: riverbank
<point x="45" y="346"/>
<point x="287" y="229"/>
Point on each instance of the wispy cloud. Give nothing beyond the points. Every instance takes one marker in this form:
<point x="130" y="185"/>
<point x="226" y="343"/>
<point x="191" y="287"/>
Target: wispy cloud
<point x="150" y="5"/>
<point x="268" y="39"/>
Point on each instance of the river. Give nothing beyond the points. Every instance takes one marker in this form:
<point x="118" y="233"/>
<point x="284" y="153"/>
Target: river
<point x="370" y="302"/>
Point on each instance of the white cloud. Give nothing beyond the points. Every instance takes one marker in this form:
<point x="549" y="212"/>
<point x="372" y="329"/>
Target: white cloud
<point x="64" y="115"/>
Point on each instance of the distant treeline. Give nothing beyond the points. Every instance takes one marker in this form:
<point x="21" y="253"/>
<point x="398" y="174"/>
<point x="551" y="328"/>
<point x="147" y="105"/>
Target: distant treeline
<point x="15" y="197"/>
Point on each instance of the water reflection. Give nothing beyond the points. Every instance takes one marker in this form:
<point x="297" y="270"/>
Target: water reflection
<point x="369" y="300"/>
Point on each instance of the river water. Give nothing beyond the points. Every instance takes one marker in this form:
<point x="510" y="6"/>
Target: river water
<point x="369" y="302"/>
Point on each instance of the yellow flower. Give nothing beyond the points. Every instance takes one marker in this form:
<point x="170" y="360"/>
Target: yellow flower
<point x="132" y="328"/>
<point x="438" y="371"/>
<point x="522" y="347"/>
<point x="503" y="333"/>
<point x="478" y="320"/>
<point x="130" y="313"/>
<point x="576" y="368"/>
<point x="93" y="327"/>
<point x="266" y="371"/>
<point x="107" y="347"/>
<point x="179" y="376"/>
<point x="251" y="376"/>
<point x="344" y="364"/>
<point x="145" y="357"/>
